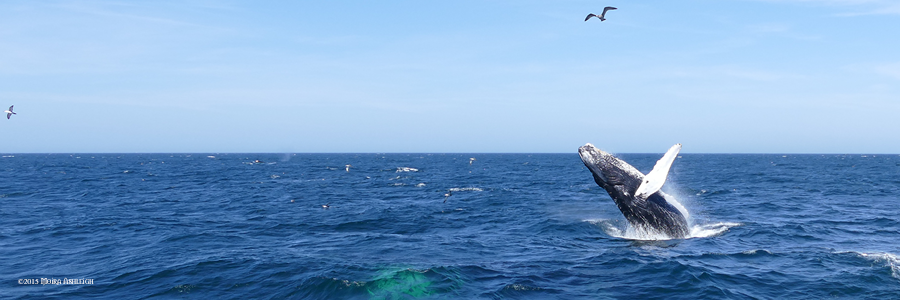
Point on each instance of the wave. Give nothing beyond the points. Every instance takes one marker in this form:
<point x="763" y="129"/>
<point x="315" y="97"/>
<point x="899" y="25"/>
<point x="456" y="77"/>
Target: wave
<point x="406" y="169"/>
<point x="889" y="259"/>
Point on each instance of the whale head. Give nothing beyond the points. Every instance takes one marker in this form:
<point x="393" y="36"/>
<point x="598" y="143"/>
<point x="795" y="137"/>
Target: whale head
<point x="610" y="172"/>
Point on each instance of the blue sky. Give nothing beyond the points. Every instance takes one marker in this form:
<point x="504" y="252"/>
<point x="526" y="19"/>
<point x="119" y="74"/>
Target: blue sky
<point x="751" y="76"/>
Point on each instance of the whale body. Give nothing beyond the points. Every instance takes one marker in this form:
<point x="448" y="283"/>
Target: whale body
<point x="638" y="196"/>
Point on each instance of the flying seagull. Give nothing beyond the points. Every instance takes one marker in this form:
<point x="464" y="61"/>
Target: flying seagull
<point x="9" y="112"/>
<point x="602" y="16"/>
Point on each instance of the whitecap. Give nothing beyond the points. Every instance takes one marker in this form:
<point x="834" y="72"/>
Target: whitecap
<point x="468" y="189"/>
<point x="756" y="251"/>
<point x="407" y="169"/>
<point x="890" y="259"/>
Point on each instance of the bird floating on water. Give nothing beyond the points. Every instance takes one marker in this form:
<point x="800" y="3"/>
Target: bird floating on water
<point x="602" y="16"/>
<point x="9" y="112"/>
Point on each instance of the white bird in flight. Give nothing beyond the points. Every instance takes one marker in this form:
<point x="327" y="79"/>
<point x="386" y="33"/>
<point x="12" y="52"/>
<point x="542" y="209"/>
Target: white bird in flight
<point x="9" y="112"/>
<point x="602" y="16"/>
<point x="447" y="195"/>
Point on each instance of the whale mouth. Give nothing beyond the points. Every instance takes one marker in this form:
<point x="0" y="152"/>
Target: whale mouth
<point x="586" y="151"/>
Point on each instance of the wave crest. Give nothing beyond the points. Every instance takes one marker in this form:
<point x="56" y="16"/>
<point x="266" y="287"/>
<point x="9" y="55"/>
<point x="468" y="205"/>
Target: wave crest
<point x="890" y="259"/>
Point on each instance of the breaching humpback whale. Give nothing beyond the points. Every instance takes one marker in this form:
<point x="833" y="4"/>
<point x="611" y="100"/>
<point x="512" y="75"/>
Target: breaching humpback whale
<point x="638" y="196"/>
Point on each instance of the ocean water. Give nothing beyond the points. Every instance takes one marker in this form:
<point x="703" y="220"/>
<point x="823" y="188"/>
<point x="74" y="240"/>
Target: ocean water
<point x="516" y="226"/>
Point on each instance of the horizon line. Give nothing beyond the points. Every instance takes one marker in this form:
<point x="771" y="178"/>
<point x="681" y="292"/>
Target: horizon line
<point x="432" y="153"/>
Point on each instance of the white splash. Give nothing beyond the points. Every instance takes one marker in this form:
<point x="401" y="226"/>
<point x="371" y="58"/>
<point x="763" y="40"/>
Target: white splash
<point x="710" y="230"/>
<point x="647" y="234"/>
<point x="407" y="169"/>
<point x="674" y="202"/>
<point x="644" y="234"/>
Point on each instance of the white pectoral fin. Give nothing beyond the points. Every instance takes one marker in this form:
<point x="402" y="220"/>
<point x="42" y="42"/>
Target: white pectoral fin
<point x="657" y="177"/>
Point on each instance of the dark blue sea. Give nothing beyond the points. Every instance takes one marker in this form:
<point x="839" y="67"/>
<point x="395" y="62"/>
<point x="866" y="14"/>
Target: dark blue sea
<point x="516" y="226"/>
